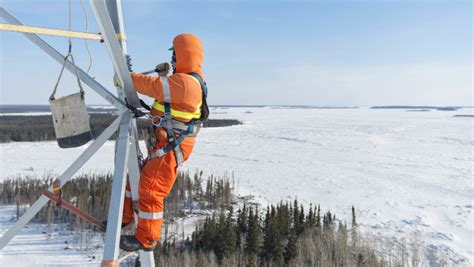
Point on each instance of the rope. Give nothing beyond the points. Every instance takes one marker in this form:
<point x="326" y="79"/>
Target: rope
<point x="70" y="23"/>
<point x="69" y="54"/>
<point x="85" y="40"/>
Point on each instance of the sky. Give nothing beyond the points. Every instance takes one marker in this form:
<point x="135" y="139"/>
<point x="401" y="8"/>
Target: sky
<point x="339" y="53"/>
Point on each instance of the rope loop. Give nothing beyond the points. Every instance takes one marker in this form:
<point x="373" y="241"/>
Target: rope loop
<point x="69" y="54"/>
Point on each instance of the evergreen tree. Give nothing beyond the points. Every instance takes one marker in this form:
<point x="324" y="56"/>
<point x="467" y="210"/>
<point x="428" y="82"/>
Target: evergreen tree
<point x="310" y="218"/>
<point x="252" y="242"/>
<point x="354" y="228"/>
<point x="290" y="249"/>
<point x="231" y="229"/>
<point x="242" y="220"/>
<point x="301" y="221"/>
<point x="318" y="218"/>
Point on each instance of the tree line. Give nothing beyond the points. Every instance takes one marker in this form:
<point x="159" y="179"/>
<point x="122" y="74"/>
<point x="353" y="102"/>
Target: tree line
<point x="91" y="193"/>
<point x="14" y="128"/>
<point x="279" y="235"/>
<point x="285" y="234"/>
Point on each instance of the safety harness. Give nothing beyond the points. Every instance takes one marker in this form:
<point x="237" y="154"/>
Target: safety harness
<point x="174" y="127"/>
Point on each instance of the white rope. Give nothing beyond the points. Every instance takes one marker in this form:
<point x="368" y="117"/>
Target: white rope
<point x="70" y="21"/>
<point x="85" y="40"/>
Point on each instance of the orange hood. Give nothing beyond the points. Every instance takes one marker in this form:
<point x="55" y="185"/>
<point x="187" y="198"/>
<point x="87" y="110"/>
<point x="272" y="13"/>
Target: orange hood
<point x="189" y="53"/>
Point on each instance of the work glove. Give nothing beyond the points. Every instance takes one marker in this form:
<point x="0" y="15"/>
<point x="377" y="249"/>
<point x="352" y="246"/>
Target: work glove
<point x="117" y="81"/>
<point x="129" y="63"/>
<point x="163" y="69"/>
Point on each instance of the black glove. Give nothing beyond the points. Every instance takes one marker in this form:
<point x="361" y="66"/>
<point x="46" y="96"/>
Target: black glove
<point x="129" y="63"/>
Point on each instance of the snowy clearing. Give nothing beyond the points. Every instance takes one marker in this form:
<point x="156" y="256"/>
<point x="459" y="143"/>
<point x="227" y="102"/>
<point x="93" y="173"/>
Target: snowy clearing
<point x="409" y="174"/>
<point x="33" y="246"/>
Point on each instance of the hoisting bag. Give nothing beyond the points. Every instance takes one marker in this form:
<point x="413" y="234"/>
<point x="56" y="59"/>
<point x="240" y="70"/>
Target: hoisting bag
<point x="71" y="120"/>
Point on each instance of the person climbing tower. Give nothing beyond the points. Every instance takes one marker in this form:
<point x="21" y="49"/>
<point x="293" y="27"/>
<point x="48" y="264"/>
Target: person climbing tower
<point x="177" y="112"/>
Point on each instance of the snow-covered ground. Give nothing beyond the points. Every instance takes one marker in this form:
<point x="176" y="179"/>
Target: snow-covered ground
<point x="409" y="174"/>
<point x="36" y="245"/>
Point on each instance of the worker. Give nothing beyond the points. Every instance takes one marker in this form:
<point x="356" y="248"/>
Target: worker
<point x="186" y="104"/>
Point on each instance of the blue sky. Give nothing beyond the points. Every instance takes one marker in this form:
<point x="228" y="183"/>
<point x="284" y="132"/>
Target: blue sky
<point x="269" y="52"/>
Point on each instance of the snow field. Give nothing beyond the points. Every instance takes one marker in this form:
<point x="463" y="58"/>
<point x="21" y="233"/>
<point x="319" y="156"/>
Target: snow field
<point x="409" y="174"/>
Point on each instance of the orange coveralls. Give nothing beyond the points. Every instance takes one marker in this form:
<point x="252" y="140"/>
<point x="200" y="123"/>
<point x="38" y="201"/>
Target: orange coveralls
<point x="158" y="175"/>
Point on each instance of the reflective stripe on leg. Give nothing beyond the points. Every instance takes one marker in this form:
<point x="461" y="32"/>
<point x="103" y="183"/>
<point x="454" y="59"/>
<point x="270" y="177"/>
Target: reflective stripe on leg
<point x="150" y="215"/>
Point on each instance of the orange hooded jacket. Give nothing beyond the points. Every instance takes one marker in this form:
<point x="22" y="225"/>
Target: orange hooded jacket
<point x="158" y="175"/>
<point x="185" y="90"/>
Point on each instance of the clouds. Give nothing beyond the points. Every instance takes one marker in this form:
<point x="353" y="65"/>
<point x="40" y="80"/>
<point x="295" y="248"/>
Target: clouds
<point x="349" y="53"/>
<point x="312" y="84"/>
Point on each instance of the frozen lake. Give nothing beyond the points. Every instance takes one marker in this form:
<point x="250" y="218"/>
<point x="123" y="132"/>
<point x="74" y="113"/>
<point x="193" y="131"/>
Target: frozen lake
<point x="409" y="174"/>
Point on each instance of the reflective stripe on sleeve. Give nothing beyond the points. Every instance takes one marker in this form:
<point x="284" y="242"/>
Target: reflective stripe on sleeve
<point x="150" y="215"/>
<point x="179" y="114"/>
<point x="166" y="89"/>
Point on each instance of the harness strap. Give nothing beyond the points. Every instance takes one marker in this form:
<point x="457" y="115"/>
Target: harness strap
<point x="201" y="82"/>
<point x="178" y="152"/>
<point x="178" y="126"/>
<point x="190" y="129"/>
<point x="162" y="151"/>
<point x="204" y="107"/>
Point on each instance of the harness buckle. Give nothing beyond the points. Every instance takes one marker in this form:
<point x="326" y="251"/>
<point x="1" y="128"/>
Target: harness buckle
<point x="159" y="123"/>
<point x="158" y="153"/>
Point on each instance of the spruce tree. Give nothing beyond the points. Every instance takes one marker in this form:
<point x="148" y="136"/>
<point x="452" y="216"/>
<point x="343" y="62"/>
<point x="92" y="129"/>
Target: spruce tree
<point x="301" y="221"/>
<point x="242" y="220"/>
<point x="310" y="221"/>
<point x="290" y="248"/>
<point x="354" y="228"/>
<point x="318" y="219"/>
<point x="231" y="232"/>
<point x="252" y="242"/>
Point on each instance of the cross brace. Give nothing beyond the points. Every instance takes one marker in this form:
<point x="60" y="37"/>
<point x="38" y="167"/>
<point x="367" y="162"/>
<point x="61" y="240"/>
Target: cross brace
<point x="56" y="32"/>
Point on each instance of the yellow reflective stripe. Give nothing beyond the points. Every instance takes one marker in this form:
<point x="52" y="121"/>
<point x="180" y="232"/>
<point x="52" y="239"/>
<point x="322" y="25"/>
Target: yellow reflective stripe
<point x="179" y="114"/>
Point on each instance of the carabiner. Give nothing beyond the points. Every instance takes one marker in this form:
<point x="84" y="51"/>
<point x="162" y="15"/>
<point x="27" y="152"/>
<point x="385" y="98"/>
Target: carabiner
<point x="159" y="123"/>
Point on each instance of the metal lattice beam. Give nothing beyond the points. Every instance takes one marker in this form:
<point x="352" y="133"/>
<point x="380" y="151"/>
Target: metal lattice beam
<point x="83" y="76"/>
<point x="54" y="32"/>
<point x="110" y="21"/>
<point x="115" y="51"/>
<point x="111" y="24"/>
<point x="65" y="177"/>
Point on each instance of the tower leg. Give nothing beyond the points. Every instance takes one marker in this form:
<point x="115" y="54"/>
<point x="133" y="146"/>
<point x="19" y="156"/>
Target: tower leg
<point x="146" y="257"/>
<point x="114" y="218"/>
